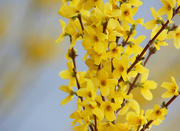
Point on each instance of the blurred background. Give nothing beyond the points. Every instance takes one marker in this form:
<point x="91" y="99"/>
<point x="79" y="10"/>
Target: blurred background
<point x="30" y="62"/>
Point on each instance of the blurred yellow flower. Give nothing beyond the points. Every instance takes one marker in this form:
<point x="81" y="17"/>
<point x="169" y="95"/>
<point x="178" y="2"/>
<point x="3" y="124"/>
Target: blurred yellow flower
<point x="176" y="35"/>
<point x="171" y="87"/>
<point x="69" y="91"/>
<point x="69" y="74"/>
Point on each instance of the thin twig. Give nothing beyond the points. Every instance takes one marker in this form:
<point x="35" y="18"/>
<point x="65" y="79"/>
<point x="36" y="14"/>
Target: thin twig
<point x="80" y="20"/>
<point x="95" y="123"/>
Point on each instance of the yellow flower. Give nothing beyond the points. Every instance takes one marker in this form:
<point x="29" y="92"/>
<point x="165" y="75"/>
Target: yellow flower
<point x="97" y="58"/>
<point x="121" y="67"/>
<point x="133" y="45"/>
<point x="130" y="104"/>
<point x="84" y="126"/>
<point x="89" y="92"/>
<point x="108" y="126"/>
<point x="153" y="23"/>
<point x="146" y="86"/>
<point x="94" y="39"/>
<point x="69" y="74"/>
<point x="109" y="109"/>
<point x="92" y="108"/>
<point x="71" y="10"/>
<point x="105" y="83"/>
<point x="148" y="117"/>
<point x="135" y="2"/>
<point x="123" y="127"/>
<point x="111" y="30"/>
<point x="61" y="37"/>
<point x="69" y="97"/>
<point x="91" y="3"/>
<point x="110" y="11"/>
<point x="171" y="87"/>
<point x="158" y="112"/>
<point x="128" y="12"/>
<point x="176" y="35"/>
<point x="120" y="94"/>
<point x="140" y="68"/>
<point x="136" y="118"/>
<point x="167" y="8"/>
<point x="115" y="51"/>
<point x="160" y="39"/>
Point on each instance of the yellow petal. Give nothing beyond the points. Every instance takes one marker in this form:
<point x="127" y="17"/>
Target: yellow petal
<point x="135" y="2"/>
<point x="89" y="4"/>
<point x="146" y="94"/>
<point x="177" y="42"/>
<point x="151" y="24"/>
<point x="141" y="69"/>
<point x="65" y="89"/>
<point x="139" y="39"/>
<point x="105" y="90"/>
<point x="153" y="11"/>
<point x="83" y="92"/>
<point x="98" y="47"/>
<point x="67" y="99"/>
<point x="166" y="85"/>
<point x="98" y="113"/>
<point x="150" y="84"/>
<point x="134" y="105"/>
<point x="110" y="115"/>
<point x="167" y="94"/>
<point x="163" y="10"/>
<point x="65" y="74"/>
<point x="124" y="110"/>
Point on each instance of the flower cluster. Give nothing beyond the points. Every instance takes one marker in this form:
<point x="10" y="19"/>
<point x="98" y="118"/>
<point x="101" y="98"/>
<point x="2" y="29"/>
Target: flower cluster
<point x="115" y="60"/>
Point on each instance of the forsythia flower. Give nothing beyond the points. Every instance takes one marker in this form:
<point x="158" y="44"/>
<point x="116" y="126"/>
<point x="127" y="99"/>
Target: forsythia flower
<point x="115" y="51"/>
<point x="69" y="74"/>
<point x="158" y="113"/>
<point x="128" y="12"/>
<point x="108" y="126"/>
<point x="109" y="109"/>
<point x="160" y="39"/>
<point x="61" y="37"/>
<point x="176" y="35"/>
<point x="105" y="83"/>
<point x="136" y="119"/>
<point x="167" y="8"/>
<point x="153" y="23"/>
<point x="171" y="87"/>
<point x="69" y="97"/>
<point x="121" y="67"/>
<point x="146" y="86"/>
<point x="89" y="93"/>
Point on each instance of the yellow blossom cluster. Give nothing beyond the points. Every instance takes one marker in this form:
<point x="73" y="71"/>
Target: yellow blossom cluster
<point x="115" y="61"/>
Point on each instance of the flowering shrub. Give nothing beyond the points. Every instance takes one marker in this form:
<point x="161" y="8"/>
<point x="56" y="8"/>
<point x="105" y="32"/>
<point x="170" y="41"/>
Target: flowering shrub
<point x="115" y="62"/>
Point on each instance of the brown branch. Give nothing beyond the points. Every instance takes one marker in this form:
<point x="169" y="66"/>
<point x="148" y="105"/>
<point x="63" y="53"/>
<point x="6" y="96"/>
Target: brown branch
<point x="125" y="43"/>
<point x="146" y="126"/>
<point x="80" y="20"/>
<point x="105" y="27"/>
<point x="95" y="123"/>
